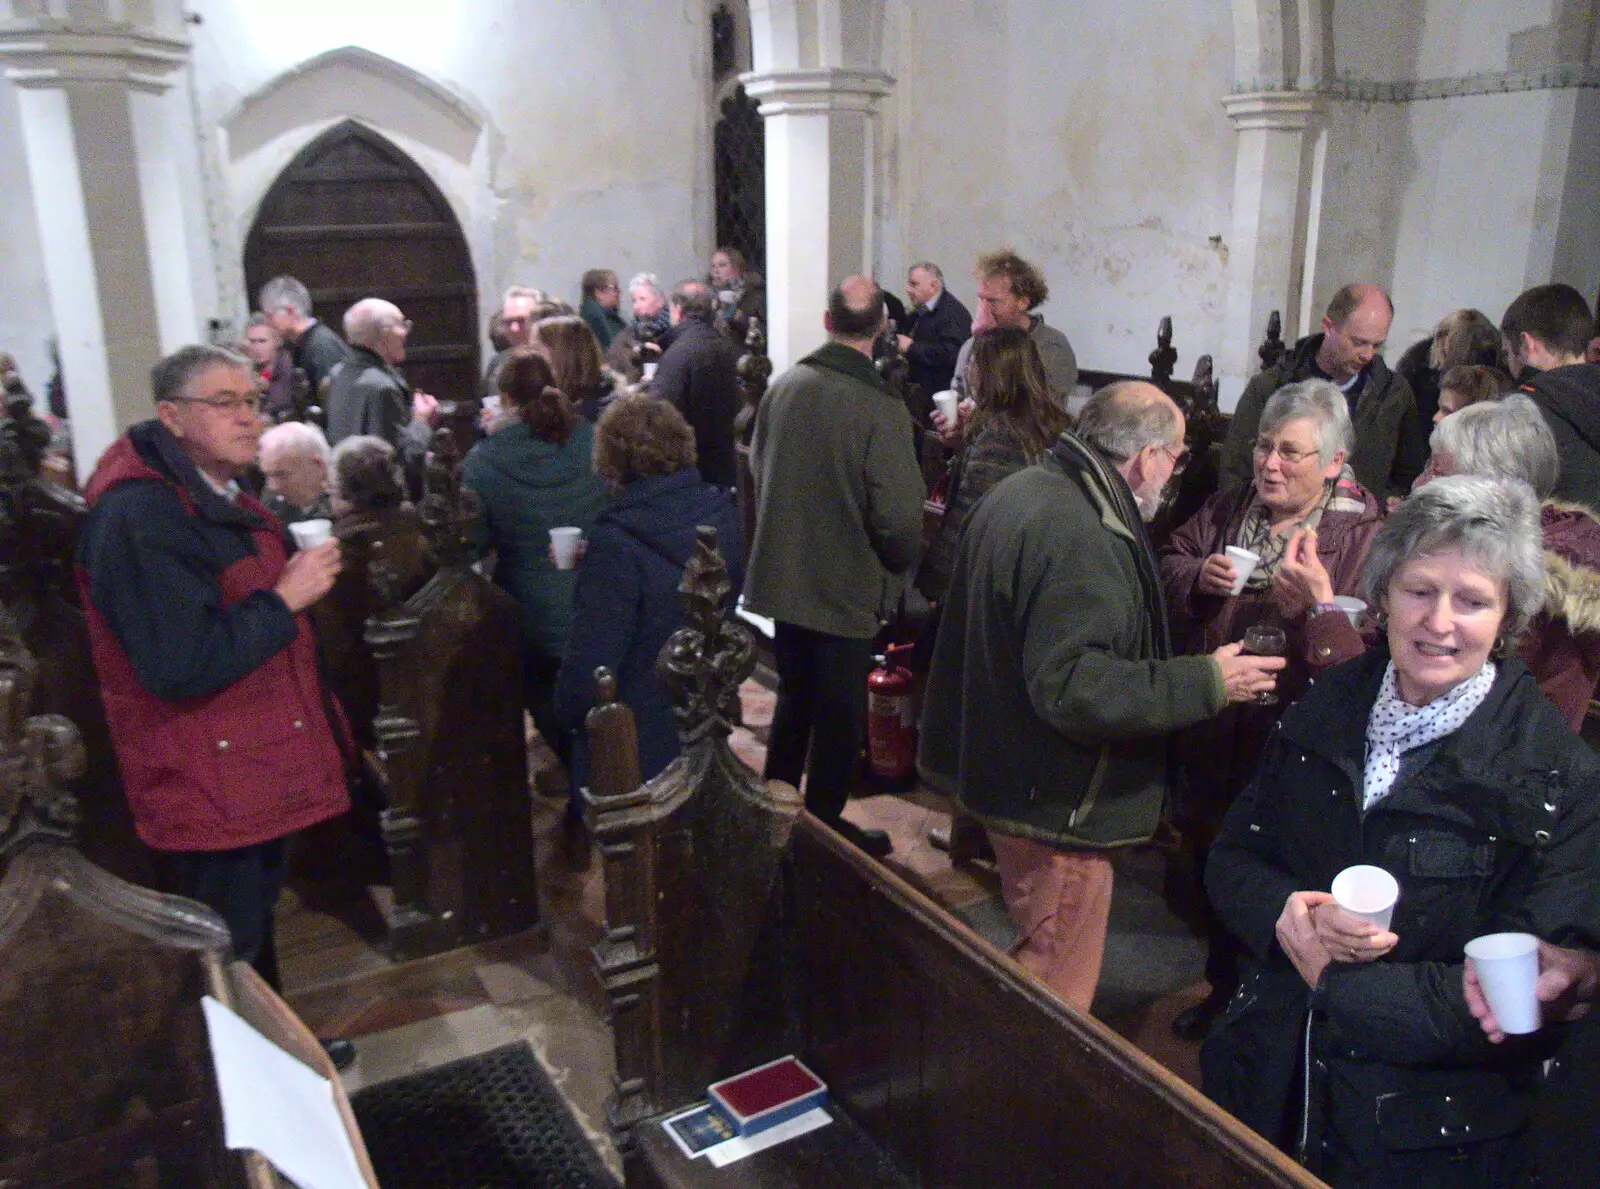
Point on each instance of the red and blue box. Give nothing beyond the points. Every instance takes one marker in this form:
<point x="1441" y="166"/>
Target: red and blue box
<point x="767" y="1095"/>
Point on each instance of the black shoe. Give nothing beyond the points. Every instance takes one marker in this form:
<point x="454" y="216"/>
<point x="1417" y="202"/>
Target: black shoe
<point x="341" y="1052"/>
<point x="1194" y="1023"/>
<point x="875" y="842"/>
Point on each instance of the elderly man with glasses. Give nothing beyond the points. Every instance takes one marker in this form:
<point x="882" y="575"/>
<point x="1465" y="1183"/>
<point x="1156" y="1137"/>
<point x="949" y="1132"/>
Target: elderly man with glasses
<point x="197" y="622"/>
<point x="368" y="394"/>
<point x="1308" y="522"/>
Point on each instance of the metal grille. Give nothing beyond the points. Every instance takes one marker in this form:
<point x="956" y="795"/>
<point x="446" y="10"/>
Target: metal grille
<point x="741" y="158"/>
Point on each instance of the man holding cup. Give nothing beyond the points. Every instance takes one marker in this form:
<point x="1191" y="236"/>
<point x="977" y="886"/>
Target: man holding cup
<point x="225" y="737"/>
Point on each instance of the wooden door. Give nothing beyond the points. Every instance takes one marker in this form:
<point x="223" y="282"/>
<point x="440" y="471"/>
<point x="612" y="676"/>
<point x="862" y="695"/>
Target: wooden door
<point x="352" y="216"/>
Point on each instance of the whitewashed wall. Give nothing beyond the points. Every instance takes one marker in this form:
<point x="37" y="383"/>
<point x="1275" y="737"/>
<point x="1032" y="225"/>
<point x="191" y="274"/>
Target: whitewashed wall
<point x="1090" y="137"/>
<point x="25" y="323"/>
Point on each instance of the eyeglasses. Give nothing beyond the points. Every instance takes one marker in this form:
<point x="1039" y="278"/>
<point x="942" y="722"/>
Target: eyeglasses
<point x="229" y="404"/>
<point x="1180" y="457"/>
<point x="1289" y="457"/>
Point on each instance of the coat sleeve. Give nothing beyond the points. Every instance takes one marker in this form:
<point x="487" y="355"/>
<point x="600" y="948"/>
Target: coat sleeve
<point x="1181" y="558"/>
<point x="1076" y="677"/>
<point x="673" y="378"/>
<point x="894" y="492"/>
<point x="950" y="330"/>
<point x="1242" y="427"/>
<point x="1246" y="880"/>
<point x="604" y="618"/>
<point x="158" y="590"/>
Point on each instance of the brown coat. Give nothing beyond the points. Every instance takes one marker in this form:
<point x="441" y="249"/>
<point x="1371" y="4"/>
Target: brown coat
<point x="1219" y="756"/>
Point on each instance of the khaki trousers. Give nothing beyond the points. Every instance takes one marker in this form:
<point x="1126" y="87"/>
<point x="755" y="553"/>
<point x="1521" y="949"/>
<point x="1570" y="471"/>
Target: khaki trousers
<point x="1061" y="902"/>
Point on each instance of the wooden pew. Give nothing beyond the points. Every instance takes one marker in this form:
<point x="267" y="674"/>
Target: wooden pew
<point x="448" y="731"/>
<point x="106" y="1079"/>
<point x="739" y="929"/>
<point x="39" y="526"/>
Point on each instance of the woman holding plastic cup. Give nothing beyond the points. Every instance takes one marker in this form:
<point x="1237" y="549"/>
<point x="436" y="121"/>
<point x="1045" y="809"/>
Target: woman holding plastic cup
<point x="1434" y="757"/>
<point x="1276" y="551"/>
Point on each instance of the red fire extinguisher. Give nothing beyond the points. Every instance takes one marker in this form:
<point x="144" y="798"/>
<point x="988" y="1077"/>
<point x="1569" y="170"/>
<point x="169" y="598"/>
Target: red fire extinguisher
<point x="891" y="723"/>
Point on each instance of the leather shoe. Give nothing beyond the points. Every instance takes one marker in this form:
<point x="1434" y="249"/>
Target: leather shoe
<point x="340" y="1051"/>
<point x="875" y="842"/>
<point x="1193" y="1023"/>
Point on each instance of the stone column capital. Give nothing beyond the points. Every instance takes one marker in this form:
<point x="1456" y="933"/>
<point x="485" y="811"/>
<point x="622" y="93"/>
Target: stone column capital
<point x="1282" y="111"/>
<point x="51" y="53"/>
<point x="784" y="92"/>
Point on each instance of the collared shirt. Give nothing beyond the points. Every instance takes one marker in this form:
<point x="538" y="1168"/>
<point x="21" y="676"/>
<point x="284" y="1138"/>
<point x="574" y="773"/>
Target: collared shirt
<point x="228" y="491"/>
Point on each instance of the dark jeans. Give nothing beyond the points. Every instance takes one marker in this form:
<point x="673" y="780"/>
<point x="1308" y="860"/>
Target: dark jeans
<point x="242" y="887"/>
<point x="822" y="707"/>
<point x="539" y="672"/>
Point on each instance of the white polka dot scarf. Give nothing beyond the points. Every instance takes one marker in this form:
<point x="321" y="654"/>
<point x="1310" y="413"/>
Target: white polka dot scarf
<point x="1395" y="727"/>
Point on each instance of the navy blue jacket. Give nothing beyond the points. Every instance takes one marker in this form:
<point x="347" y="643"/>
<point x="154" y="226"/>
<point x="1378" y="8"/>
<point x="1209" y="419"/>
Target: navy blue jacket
<point x="699" y="373"/>
<point x="627" y="604"/>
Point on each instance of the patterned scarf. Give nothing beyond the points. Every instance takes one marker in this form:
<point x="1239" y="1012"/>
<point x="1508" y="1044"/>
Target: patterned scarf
<point x="1395" y="727"/>
<point x="1256" y="535"/>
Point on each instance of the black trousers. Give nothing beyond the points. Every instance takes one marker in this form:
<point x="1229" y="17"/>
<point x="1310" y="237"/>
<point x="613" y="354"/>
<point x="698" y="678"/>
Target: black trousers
<point x="822" y="709"/>
<point x="242" y="887"/>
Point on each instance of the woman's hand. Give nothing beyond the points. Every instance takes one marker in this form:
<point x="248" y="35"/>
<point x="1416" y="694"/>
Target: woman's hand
<point x="952" y="436"/>
<point x="1297" y="935"/>
<point x="1216" y="576"/>
<point x="579" y="550"/>
<point x="1568" y="982"/>
<point x="1302" y="580"/>
<point x="1347" y="937"/>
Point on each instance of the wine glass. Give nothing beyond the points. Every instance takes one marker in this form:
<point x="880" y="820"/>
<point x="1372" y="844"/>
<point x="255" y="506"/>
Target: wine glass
<point x="1266" y="640"/>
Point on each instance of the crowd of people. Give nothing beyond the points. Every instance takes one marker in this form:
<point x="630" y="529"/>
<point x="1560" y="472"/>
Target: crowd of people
<point x="1375" y="643"/>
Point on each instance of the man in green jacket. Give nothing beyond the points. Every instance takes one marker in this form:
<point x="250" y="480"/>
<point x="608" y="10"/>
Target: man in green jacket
<point x="1054" y="689"/>
<point x="838" y="526"/>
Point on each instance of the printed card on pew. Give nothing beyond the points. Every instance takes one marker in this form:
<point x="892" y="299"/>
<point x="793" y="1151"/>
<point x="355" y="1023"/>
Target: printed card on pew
<point x="751" y="1112"/>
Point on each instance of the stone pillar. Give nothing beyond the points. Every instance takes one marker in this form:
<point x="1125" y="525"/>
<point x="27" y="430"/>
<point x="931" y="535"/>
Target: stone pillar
<point x="107" y="194"/>
<point x="820" y="132"/>
<point x="1277" y="200"/>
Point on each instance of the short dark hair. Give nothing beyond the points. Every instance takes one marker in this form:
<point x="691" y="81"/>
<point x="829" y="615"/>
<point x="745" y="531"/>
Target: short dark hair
<point x="639" y="436"/>
<point x="173" y="374"/>
<point x="1026" y="281"/>
<point x="597" y="279"/>
<point x="850" y="322"/>
<point x="695" y="299"/>
<point x="1348" y="297"/>
<point x="1556" y="315"/>
<point x="526" y="382"/>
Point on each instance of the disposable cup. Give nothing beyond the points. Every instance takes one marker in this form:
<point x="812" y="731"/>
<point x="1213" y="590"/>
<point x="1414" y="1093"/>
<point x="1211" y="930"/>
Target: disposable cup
<point x="1507" y="965"/>
<point x="308" y="534"/>
<point x="947" y="402"/>
<point x="1353" y="608"/>
<point x="1244" y="564"/>
<point x="1367" y="892"/>
<point x="564" y="542"/>
<point x="649" y="372"/>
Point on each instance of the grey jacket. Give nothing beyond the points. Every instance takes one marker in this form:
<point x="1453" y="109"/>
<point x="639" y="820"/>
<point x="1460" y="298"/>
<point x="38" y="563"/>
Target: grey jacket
<point x="838" y="495"/>
<point x="1055" y="352"/>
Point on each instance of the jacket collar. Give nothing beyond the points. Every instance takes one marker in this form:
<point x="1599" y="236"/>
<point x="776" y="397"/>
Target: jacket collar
<point x="367" y="357"/>
<point x="835" y="357"/>
<point x="149" y="451"/>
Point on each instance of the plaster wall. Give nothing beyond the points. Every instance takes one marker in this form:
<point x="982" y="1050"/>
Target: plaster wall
<point x="1088" y="137"/>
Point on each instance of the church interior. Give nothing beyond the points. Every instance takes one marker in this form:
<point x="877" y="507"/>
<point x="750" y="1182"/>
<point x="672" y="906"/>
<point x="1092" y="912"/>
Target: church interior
<point x="1195" y="182"/>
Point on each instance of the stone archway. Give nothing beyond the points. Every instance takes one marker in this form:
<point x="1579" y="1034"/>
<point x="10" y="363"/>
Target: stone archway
<point x="353" y="216"/>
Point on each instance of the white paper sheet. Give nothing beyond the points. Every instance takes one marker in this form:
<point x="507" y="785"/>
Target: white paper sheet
<point x="277" y="1105"/>
<point x="738" y="1149"/>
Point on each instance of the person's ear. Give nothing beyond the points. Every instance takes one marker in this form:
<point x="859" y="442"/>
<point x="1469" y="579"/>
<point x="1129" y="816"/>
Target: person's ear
<point x="1336" y="467"/>
<point x="1327" y="325"/>
<point x="167" y="414"/>
<point x="827" y="321"/>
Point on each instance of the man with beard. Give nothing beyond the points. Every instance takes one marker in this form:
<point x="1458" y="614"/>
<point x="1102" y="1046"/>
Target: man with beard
<point x="1054" y="689"/>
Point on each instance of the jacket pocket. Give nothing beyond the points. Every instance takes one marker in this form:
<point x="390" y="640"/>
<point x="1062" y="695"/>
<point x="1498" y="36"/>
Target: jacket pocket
<point x="1475" y="1111"/>
<point x="1096" y="779"/>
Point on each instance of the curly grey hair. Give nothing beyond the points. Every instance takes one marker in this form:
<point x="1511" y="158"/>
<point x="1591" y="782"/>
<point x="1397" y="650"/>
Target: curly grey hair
<point x="364" y="475"/>
<point x="1495" y="525"/>
<point x="1119" y="424"/>
<point x="1312" y="400"/>
<point x="1501" y="439"/>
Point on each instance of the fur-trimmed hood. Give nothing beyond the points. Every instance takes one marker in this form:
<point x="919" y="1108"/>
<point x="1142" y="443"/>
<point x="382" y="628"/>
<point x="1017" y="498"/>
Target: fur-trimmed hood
<point x="1572" y="566"/>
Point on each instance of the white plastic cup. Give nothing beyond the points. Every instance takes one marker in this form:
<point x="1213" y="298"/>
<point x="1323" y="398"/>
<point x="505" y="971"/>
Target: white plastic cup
<point x="1244" y="564"/>
<point x="491" y="405"/>
<point x="649" y="372"/>
<point x="1367" y="892"/>
<point x="1353" y="608"/>
<point x="564" y="542"/>
<point x="308" y="534"/>
<point x="1507" y="965"/>
<point x="948" y="403"/>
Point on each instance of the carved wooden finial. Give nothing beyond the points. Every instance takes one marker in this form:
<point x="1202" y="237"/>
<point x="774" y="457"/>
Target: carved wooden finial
<point x="1165" y="357"/>
<point x="1272" y="347"/>
<point x="39" y="754"/>
<point x="703" y="664"/>
<point x="605" y="686"/>
<point x="755" y="369"/>
<point x="448" y="510"/>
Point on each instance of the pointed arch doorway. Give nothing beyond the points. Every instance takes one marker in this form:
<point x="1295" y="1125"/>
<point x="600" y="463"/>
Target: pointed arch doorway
<point x="353" y="216"/>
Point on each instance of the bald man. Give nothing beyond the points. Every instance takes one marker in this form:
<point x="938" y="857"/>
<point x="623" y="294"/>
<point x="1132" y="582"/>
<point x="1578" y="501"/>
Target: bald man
<point x="1054" y="690"/>
<point x="838" y="526"/>
<point x="1391" y="440"/>
<point x="368" y="394"/>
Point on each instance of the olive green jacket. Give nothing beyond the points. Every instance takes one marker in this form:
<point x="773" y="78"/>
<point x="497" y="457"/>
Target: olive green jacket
<point x="1048" y="708"/>
<point x="838" y="497"/>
